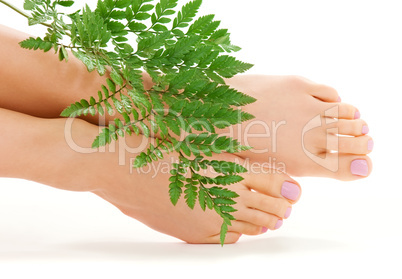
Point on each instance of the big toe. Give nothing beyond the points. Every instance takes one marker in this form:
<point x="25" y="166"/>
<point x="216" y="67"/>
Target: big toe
<point x="274" y="183"/>
<point x="344" y="167"/>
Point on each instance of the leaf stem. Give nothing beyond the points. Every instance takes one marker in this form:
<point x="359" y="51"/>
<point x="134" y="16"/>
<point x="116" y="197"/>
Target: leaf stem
<point x="20" y="11"/>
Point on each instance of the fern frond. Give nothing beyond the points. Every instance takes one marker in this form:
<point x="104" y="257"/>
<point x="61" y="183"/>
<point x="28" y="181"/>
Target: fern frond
<point x="184" y="57"/>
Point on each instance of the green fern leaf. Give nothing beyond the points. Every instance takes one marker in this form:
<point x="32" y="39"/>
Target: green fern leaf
<point x="190" y="195"/>
<point x="64" y="3"/>
<point x="200" y="24"/>
<point x="38" y="43"/>
<point x="227" y="209"/>
<point x="187" y="14"/>
<point x="102" y="139"/>
<point x="227" y="179"/>
<point x="173" y="125"/>
<point x="202" y="198"/>
<point x="145" y="129"/>
<point x="140" y="160"/>
<point x="227" y="66"/>
<point x="224" y="201"/>
<point x="116" y="77"/>
<point x="175" y="192"/>
<point x="225" y="167"/>
<point x="224" y="230"/>
<point x="148" y="45"/>
<point x="29" y="5"/>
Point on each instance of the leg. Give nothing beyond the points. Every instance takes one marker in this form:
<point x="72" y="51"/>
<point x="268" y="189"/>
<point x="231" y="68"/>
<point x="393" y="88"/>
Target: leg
<point x="139" y="195"/>
<point x="45" y="85"/>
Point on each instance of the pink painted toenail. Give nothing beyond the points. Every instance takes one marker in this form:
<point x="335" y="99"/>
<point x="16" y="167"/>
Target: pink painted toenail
<point x="290" y="190"/>
<point x="359" y="167"/>
<point x="365" y="129"/>
<point x="278" y="224"/>
<point x="370" y="145"/>
<point x="339" y="99"/>
<point x="264" y="230"/>
<point x="288" y="211"/>
<point x="357" y="114"/>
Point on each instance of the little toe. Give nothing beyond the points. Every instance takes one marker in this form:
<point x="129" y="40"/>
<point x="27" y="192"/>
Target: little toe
<point x="273" y="183"/>
<point x="351" y="145"/>
<point x="356" y="127"/>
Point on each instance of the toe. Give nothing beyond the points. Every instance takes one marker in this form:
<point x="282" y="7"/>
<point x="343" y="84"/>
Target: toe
<point x="354" y="167"/>
<point x="360" y="167"/>
<point x="344" y="167"/>
<point x="356" y="127"/>
<point x="325" y="93"/>
<point x="275" y="184"/>
<point x="279" y="207"/>
<point x="231" y="237"/>
<point x="351" y="145"/>
<point x="344" y="111"/>
<point x="259" y="219"/>
<point x="246" y="228"/>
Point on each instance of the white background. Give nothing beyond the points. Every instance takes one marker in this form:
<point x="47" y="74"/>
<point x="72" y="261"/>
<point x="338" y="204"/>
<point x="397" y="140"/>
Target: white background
<point x="348" y="229"/>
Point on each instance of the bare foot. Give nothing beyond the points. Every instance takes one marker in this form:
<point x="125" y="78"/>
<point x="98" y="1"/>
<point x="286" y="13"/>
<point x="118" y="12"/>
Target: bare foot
<point x="301" y="127"/>
<point x="66" y="161"/>
<point x="144" y="196"/>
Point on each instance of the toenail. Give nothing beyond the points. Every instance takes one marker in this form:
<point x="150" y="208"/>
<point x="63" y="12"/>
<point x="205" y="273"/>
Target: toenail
<point x="370" y="145"/>
<point x="359" y="167"/>
<point x="357" y="114"/>
<point x="290" y="190"/>
<point x="365" y="129"/>
<point x="278" y="224"/>
<point x="264" y="230"/>
<point x="339" y="99"/>
<point x="288" y="211"/>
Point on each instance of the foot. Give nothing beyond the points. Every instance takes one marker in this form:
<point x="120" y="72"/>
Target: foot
<point x="68" y="162"/>
<point x="266" y="196"/>
<point x="302" y="128"/>
<point x="265" y="201"/>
